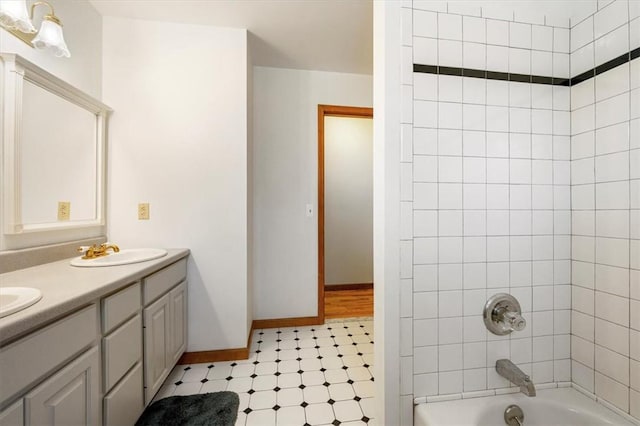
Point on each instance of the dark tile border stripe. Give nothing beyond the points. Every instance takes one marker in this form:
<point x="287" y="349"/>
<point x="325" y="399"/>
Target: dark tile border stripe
<point x="528" y="78"/>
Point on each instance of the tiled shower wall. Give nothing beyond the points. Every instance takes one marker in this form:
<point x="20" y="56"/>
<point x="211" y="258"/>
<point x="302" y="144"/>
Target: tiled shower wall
<point x="605" y="178"/>
<point x="485" y="201"/>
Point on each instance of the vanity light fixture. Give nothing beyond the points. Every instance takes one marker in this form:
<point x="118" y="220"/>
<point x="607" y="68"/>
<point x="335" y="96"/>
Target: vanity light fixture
<point x="14" y="18"/>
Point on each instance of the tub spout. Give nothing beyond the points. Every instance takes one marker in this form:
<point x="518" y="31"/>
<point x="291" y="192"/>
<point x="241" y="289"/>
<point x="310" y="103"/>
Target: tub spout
<point x="511" y="372"/>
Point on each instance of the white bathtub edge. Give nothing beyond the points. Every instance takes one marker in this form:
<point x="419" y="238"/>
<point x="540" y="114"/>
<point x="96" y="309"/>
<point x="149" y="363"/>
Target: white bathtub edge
<point x="484" y="393"/>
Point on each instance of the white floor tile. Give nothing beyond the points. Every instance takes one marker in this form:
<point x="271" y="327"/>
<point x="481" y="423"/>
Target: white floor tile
<point x="341" y="392"/>
<point x="290" y="416"/>
<point x="261" y="418"/>
<point x="319" y="413"/>
<point x="262" y="399"/>
<point x="289" y="397"/>
<point x="316" y="394"/>
<point x="347" y="411"/>
<point x="289" y="380"/>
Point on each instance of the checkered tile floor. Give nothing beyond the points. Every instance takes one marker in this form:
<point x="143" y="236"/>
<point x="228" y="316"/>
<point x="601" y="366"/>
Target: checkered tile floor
<point x="316" y="375"/>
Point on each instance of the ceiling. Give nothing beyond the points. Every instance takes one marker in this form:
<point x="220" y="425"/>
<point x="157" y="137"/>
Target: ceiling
<point x="324" y="35"/>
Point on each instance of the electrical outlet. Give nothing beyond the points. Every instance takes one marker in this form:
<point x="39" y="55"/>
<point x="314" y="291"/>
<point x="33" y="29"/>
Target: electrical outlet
<point x="64" y="210"/>
<point x="143" y="211"/>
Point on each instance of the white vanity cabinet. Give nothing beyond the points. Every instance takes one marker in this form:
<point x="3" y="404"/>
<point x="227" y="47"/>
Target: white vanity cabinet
<point x="54" y="373"/>
<point x="100" y="363"/>
<point x="165" y="320"/>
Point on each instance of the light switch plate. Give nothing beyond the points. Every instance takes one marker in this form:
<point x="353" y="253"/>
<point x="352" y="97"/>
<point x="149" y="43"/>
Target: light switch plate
<point x="143" y="211"/>
<point x="64" y="210"/>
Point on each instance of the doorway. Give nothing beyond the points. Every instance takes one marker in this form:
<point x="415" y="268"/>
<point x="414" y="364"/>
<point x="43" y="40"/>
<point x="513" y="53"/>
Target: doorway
<point x="345" y="212"/>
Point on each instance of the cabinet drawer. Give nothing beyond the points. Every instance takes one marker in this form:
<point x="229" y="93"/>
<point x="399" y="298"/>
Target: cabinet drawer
<point x="122" y="349"/>
<point x="120" y="306"/>
<point x="161" y="282"/>
<point x="124" y="404"/>
<point x="45" y="349"/>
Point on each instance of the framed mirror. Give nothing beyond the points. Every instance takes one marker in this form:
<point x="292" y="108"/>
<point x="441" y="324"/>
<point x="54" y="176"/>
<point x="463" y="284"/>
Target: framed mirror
<point x="54" y="152"/>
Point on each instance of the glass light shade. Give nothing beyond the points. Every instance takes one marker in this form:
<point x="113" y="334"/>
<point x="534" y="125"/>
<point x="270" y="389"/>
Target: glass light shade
<point x="14" y="15"/>
<point x="50" y="38"/>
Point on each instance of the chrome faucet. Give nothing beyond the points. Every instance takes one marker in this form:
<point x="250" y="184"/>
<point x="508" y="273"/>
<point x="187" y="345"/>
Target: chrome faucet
<point x="511" y="372"/>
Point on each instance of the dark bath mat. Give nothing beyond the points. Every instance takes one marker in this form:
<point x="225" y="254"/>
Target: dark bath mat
<point x="207" y="409"/>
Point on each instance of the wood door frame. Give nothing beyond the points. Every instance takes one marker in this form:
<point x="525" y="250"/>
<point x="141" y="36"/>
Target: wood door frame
<point x="328" y="111"/>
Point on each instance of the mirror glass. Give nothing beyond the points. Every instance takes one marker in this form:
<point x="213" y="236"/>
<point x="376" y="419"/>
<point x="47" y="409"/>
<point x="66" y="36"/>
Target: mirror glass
<point x="58" y="158"/>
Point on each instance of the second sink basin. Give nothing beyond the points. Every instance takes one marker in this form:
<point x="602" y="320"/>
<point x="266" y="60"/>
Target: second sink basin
<point x="123" y="257"/>
<point x="14" y="299"/>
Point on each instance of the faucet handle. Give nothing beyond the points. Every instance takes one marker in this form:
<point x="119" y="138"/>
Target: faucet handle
<point x="502" y="314"/>
<point x="83" y="249"/>
<point x="514" y="320"/>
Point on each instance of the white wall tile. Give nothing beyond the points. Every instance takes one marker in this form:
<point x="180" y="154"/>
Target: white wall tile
<point x="449" y="142"/>
<point x="610" y="17"/>
<point x="612" y="308"/>
<point x="474" y="29"/>
<point x="425" y="277"/>
<point x="425" y="141"/>
<point x="425" y="359"/>
<point x="425" y="114"/>
<point x="450" y="196"/>
<point x="425" y="24"/>
<point x="519" y="61"/>
<point x="612" y="82"/>
<point x="497" y="32"/>
<point x="612" y="139"/>
<point x="449" y="53"/>
<point x="582" y="34"/>
<point x="583" y="59"/>
<point x="425" y="168"/>
<point x="561" y="40"/>
<point x="474" y="90"/>
<point x="612" y="391"/>
<point x="449" y="26"/>
<point x="474" y="55"/>
<point x="497" y="58"/>
<point x="561" y="65"/>
<point x="425" y="51"/>
<point x="519" y="35"/>
<point x="612" y="336"/>
<point x="425" y="305"/>
<point x="612" y="45"/>
<point x="474" y="141"/>
<point x="425" y="86"/>
<point x="449" y="115"/>
<point x="542" y="38"/>
<point x="613" y="195"/>
<point x="425" y="332"/>
<point x="425" y="251"/>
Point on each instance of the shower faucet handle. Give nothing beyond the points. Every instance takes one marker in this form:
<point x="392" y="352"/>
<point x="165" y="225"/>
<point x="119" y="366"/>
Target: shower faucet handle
<point x="502" y="314"/>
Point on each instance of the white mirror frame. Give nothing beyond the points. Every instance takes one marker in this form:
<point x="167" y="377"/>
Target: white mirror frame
<point x="15" y="70"/>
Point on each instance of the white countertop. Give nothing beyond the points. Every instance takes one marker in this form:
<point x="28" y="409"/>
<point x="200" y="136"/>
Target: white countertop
<point x="66" y="288"/>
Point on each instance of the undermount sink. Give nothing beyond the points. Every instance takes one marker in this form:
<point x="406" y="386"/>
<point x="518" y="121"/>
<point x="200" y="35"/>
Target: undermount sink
<point x="14" y="299"/>
<point x="123" y="257"/>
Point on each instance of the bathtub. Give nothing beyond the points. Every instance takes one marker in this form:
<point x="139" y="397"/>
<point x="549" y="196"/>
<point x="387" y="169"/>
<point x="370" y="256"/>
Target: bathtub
<point x="551" y="407"/>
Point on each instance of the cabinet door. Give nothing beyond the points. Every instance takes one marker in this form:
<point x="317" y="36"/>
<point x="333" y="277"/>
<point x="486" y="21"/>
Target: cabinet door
<point x="178" y="300"/>
<point x="70" y="397"/>
<point x="157" y="329"/>
<point x="13" y="415"/>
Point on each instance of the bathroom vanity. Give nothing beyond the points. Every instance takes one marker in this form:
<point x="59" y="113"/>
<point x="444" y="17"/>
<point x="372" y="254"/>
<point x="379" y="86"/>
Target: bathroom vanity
<point x="98" y="345"/>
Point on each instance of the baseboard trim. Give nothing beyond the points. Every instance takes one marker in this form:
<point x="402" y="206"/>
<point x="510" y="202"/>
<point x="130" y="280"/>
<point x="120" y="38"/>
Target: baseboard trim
<point x="243" y="353"/>
<point x="354" y="286"/>
<point x="286" y="322"/>
<point x="214" y="356"/>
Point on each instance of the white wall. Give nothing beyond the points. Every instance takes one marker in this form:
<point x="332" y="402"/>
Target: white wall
<point x="285" y="180"/>
<point x="82" y="26"/>
<point x="348" y="200"/>
<point x="178" y="140"/>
